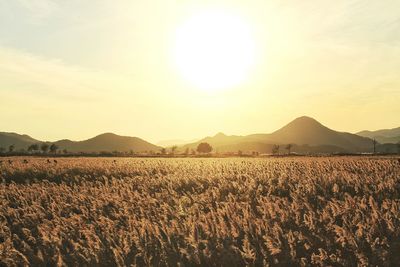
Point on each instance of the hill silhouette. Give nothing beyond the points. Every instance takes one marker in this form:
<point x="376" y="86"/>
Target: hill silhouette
<point x="383" y="136"/>
<point x="104" y="142"/>
<point x="108" y="142"/>
<point x="306" y="130"/>
<point x="307" y="134"/>
<point x="20" y="141"/>
<point x="174" y="142"/>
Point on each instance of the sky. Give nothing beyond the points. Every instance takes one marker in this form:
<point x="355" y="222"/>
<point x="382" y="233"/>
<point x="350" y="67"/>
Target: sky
<point x="74" y="69"/>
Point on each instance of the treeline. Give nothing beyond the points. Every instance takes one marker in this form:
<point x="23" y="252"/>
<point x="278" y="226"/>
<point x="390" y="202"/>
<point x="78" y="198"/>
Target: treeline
<point x="43" y="148"/>
<point x="202" y="150"/>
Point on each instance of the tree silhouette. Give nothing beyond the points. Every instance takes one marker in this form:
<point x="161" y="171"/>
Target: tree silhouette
<point x="44" y="147"/>
<point x="65" y="151"/>
<point x="11" y="148"/>
<point x="374" y="144"/>
<point x="204" y="148"/>
<point x="275" y="149"/>
<point x="33" y="148"/>
<point x="173" y="149"/>
<point x="163" y="151"/>
<point x="53" y="148"/>
<point x="289" y="147"/>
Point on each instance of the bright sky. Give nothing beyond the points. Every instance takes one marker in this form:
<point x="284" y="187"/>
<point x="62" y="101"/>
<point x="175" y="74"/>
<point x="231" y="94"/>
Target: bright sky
<point x="75" y="69"/>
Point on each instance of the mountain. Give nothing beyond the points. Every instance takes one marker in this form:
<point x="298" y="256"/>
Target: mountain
<point x="18" y="140"/>
<point x="105" y="142"/>
<point x="383" y="136"/>
<point x="174" y="142"/>
<point x="108" y="142"/>
<point x="306" y="130"/>
<point x="306" y="133"/>
<point x="221" y="139"/>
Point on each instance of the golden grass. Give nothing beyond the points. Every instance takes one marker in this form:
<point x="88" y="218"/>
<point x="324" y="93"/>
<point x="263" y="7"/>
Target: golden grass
<point x="212" y="212"/>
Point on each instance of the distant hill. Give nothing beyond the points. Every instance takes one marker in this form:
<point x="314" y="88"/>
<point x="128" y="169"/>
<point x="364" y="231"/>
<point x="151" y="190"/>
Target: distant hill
<point x="306" y="130"/>
<point x="18" y="140"/>
<point x="174" y="142"/>
<point x="383" y="136"/>
<point x="306" y="133"/>
<point x="107" y="142"/>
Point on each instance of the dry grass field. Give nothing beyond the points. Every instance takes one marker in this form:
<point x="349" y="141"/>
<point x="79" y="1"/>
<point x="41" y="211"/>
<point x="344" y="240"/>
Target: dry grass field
<point x="337" y="211"/>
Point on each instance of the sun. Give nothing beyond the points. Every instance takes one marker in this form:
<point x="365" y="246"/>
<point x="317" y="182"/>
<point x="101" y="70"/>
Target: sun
<point x="214" y="50"/>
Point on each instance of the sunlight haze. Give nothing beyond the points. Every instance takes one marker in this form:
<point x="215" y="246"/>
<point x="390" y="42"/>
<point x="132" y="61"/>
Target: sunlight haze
<point x="214" y="50"/>
<point x="165" y="70"/>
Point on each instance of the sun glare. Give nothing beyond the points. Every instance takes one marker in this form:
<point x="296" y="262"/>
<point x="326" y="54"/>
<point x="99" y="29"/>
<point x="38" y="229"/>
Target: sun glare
<point x="214" y="50"/>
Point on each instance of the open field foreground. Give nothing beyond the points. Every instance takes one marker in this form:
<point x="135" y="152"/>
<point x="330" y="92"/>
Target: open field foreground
<point x="339" y="211"/>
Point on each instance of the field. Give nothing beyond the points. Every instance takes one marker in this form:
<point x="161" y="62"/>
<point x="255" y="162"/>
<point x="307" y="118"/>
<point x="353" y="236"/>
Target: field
<point x="338" y="211"/>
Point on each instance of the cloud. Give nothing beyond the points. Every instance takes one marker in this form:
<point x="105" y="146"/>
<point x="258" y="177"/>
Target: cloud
<point x="33" y="10"/>
<point x="25" y="74"/>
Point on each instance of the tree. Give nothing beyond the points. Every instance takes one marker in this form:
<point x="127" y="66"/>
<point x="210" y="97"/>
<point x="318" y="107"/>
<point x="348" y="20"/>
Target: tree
<point x="173" y="149"/>
<point x="2" y="150"/>
<point x="33" y="148"/>
<point x="275" y="149"/>
<point x="289" y="147"/>
<point x="163" y="151"/>
<point x="44" y="147"/>
<point x="204" y="148"/>
<point x="53" y="148"/>
<point x="374" y="144"/>
<point x="65" y="151"/>
<point x="11" y="148"/>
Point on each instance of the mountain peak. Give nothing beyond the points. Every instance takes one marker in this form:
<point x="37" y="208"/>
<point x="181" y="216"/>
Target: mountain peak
<point x="220" y="134"/>
<point x="106" y="135"/>
<point x="305" y="119"/>
<point x="304" y="122"/>
<point x="304" y="126"/>
<point x="109" y="142"/>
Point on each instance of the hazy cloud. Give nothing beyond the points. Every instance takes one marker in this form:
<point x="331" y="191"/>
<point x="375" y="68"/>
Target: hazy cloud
<point x="26" y="74"/>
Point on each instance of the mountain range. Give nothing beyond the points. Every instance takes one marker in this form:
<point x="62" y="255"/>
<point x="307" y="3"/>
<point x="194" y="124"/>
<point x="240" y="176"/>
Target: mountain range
<point x="106" y="142"/>
<point x="174" y="142"/>
<point x="383" y="136"/>
<point x="305" y="134"/>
